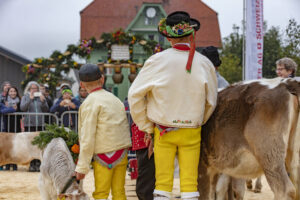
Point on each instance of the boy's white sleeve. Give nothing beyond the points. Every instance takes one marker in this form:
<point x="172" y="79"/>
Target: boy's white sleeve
<point x="137" y="97"/>
<point x="88" y="118"/>
<point x="211" y="89"/>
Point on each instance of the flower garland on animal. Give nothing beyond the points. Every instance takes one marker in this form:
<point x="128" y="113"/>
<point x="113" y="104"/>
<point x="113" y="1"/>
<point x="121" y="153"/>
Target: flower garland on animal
<point x="54" y="131"/>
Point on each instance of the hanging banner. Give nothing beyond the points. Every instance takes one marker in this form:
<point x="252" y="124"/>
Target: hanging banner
<point x="254" y="39"/>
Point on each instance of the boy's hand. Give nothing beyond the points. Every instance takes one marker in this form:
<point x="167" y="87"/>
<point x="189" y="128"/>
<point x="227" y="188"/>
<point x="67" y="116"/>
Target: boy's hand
<point x="79" y="176"/>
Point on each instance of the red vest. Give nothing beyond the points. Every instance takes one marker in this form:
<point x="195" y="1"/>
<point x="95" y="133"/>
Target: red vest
<point x="137" y="138"/>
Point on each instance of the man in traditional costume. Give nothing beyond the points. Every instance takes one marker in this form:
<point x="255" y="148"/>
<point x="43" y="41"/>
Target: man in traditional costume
<point x="103" y="135"/>
<point x="173" y="96"/>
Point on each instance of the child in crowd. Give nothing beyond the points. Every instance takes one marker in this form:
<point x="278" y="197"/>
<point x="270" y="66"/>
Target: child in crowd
<point x="66" y="103"/>
<point x="103" y="135"/>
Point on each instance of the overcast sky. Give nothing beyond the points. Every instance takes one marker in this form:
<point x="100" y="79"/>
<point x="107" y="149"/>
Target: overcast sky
<point x="35" y="28"/>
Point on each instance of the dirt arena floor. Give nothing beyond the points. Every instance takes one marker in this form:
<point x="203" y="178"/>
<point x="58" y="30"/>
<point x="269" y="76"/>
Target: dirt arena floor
<point x="23" y="185"/>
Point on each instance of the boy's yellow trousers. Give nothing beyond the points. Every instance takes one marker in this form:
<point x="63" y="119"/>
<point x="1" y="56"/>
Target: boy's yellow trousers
<point x="186" y="143"/>
<point x="106" y="179"/>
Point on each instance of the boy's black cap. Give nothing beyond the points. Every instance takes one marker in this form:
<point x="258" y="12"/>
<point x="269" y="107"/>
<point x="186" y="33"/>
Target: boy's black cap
<point x="89" y="73"/>
<point x="212" y="54"/>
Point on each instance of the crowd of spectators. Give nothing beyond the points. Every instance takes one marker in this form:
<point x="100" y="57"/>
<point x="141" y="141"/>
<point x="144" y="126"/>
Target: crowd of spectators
<point x="36" y="99"/>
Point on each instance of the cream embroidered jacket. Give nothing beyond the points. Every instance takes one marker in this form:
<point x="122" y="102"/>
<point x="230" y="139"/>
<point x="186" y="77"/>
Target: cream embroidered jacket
<point x="102" y="127"/>
<point x="164" y="93"/>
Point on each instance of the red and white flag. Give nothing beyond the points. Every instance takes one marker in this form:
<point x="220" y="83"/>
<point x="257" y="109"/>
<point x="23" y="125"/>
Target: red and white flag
<point x="254" y="39"/>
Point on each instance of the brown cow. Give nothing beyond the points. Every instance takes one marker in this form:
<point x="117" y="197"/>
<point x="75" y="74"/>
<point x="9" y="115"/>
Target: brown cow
<point x="17" y="148"/>
<point x="254" y="130"/>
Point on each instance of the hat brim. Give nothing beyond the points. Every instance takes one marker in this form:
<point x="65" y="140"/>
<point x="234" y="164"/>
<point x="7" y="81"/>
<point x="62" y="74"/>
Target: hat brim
<point x="195" y="22"/>
<point x="192" y="22"/>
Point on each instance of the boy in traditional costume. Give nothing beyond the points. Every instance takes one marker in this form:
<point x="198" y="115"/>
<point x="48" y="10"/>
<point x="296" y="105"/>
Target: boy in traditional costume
<point x="103" y="135"/>
<point x="173" y="96"/>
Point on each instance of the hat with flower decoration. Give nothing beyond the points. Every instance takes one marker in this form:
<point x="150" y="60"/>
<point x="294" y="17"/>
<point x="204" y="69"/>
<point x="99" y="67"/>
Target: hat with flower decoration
<point x="177" y="25"/>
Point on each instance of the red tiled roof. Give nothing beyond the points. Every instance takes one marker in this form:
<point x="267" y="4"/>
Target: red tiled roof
<point x="108" y="15"/>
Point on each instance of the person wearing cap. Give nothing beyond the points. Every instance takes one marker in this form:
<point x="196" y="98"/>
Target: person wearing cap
<point x="173" y="95"/>
<point x="212" y="54"/>
<point x="103" y="135"/>
<point x="66" y="103"/>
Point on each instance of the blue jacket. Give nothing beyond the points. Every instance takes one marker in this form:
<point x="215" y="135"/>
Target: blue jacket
<point x="3" y="119"/>
<point x="61" y="109"/>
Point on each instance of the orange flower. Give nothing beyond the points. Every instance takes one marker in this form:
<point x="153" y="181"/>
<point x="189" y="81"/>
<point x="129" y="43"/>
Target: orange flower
<point x="75" y="148"/>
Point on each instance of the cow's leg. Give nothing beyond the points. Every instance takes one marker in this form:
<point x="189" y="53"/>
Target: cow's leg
<point x="207" y="181"/>
<point x="269" y="148"/>
<point x="238" y="187"/>
<point x="258" y="185"/>
<point x="249" y="184"/>
<point x="293" y="156"/>
<point x="43" y="189"/>
<point x="222" y="186"/>
<point x="272" y="159"/>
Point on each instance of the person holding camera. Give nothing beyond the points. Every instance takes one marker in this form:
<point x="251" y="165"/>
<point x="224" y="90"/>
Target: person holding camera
<point x="34" y="102"/>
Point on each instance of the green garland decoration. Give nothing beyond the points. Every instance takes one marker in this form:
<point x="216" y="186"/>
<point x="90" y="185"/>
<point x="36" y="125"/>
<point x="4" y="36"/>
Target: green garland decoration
<point x="49" y="70"/>
<point x="54" y="131"/>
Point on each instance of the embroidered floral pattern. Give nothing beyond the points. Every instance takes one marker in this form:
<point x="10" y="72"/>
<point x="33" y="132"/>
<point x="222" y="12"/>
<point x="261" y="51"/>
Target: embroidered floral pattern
<point x="182" y="121"/>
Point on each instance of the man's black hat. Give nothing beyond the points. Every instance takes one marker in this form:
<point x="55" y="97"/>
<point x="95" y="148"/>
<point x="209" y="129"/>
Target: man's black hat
<point x="178" y="24"/>
<point x="89" y="73"/>
<point x="212" y="54"/>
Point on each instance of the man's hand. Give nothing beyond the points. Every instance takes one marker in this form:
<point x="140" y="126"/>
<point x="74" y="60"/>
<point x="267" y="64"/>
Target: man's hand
<point x="149" y="143"/>
<point x="147" y="139"/>
<point x="150" y="149"/>
<point x="79" y="176"/>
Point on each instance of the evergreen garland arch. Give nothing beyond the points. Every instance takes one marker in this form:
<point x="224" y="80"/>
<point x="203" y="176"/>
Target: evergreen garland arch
<point x="49" y="70"/>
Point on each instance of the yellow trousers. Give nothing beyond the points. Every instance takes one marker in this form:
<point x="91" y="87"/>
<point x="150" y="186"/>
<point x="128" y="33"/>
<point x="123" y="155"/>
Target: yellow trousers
<point x="186" y="143"/>
<point x="106" y="179"/>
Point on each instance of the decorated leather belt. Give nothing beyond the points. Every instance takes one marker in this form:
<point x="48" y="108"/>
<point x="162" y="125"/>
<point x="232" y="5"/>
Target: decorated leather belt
<point x="110" y="161"/>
